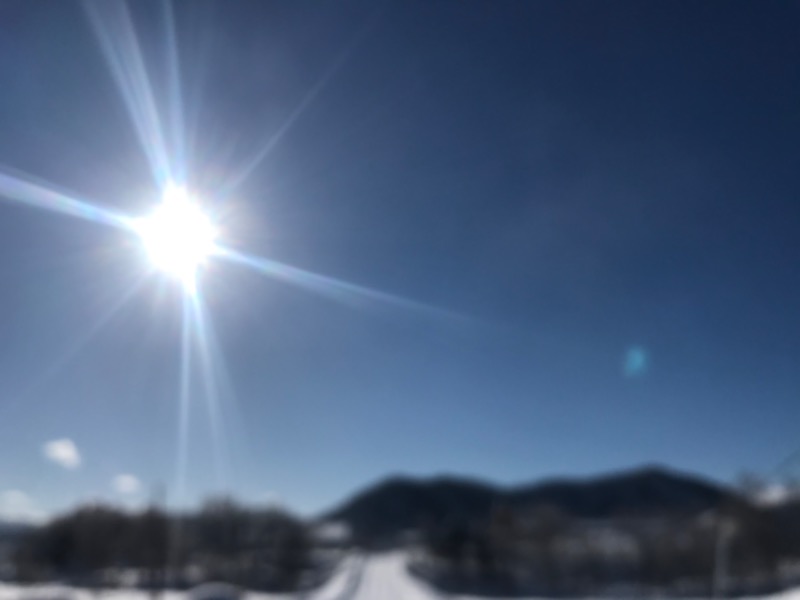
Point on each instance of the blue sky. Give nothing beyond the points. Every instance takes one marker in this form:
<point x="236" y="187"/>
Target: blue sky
<point x="597" y="201"/>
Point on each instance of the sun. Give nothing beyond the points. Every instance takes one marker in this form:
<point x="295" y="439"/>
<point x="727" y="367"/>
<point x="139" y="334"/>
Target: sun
<point x="178" y="236"/>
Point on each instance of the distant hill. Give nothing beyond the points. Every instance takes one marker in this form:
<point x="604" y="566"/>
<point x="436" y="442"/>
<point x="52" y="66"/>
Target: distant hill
<point x="646" y="491"/>
<point x="401" y="503"/>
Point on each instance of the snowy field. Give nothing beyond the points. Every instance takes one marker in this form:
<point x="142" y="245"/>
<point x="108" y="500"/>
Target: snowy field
<point x="338" y="587"/>
<point x="381" y="577"/>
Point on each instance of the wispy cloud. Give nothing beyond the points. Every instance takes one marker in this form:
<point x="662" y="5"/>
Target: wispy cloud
<point x="17" y="506"/>
<point x="126" y="484"/>
<point x="63" y="452"/>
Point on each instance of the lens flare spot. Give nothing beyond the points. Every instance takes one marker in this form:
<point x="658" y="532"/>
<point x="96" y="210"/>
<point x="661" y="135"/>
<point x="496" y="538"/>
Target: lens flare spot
<point x="636" y="362"/>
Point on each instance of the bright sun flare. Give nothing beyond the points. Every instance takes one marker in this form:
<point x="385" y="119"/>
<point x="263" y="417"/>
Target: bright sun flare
<point x="178" y="236"/>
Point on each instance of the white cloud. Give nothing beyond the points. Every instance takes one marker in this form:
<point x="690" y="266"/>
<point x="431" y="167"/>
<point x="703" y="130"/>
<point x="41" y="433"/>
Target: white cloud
<point x="17" y="506"/>
<point x="63" y="452"/>
<point x="126" y="484"/>
<point x="773" y="494"/>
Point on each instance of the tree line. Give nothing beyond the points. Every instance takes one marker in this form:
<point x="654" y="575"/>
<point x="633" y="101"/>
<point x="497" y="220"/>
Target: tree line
<point x="100" y="545"/>
<point x="543" y="551"/>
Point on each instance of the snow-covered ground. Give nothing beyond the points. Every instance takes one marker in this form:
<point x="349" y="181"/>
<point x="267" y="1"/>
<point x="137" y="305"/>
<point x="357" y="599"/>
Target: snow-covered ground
<point x="57" y="592"/>
<point x="336" y="588"/>
<point x="378" y="577"/>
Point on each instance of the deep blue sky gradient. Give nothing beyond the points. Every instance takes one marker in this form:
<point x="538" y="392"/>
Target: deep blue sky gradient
<point x="572" y="180"/>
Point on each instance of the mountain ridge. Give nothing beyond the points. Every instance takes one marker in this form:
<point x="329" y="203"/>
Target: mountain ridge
<point x="398" y="502"/>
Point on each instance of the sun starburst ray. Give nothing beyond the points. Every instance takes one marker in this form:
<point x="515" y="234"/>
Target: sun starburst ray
<point x="335" y="289"/>
<point x="119" y="45"/>
<point x="66" y="357"/>
<point x="30" y="191"/>
<point x="184" y="403"/>
<point x="234" y="434"/>
<point x="273" y="139"/>
<point x="175" y="94"/>
<point x="210" y="389"/>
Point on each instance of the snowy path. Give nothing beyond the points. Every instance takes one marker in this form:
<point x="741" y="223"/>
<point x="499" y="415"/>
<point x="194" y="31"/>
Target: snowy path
<point x="384" y="577"/>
